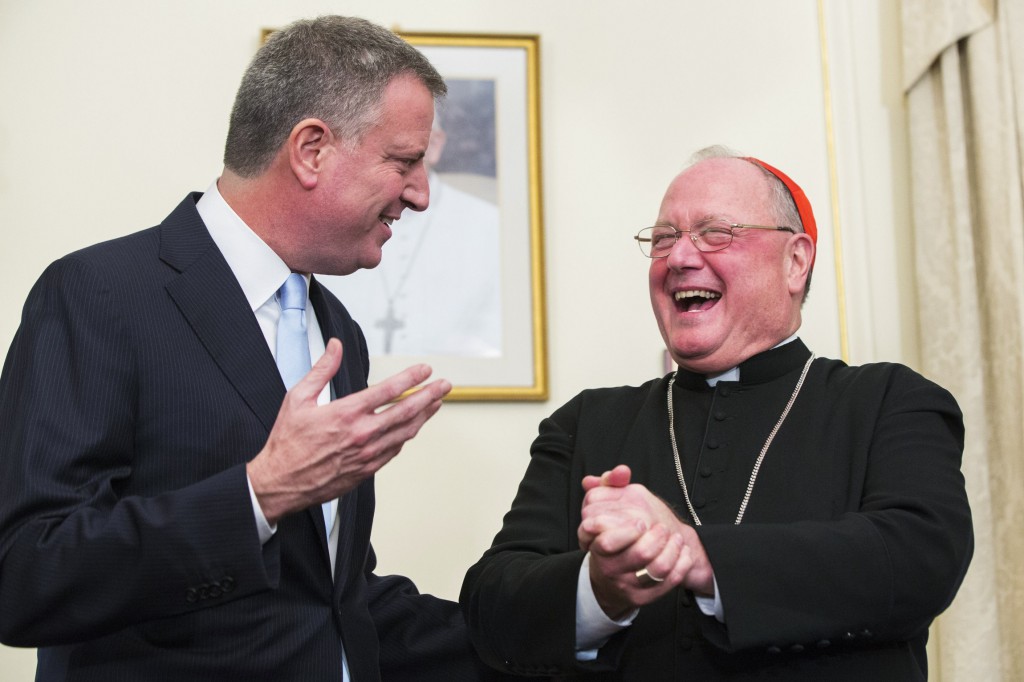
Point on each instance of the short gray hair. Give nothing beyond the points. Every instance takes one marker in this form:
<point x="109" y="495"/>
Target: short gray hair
<point x="332" y="68"/>
<point x="782" y="205"/>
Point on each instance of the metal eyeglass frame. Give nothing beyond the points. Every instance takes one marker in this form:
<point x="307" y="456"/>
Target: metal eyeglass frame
<point x="696" y="234"/>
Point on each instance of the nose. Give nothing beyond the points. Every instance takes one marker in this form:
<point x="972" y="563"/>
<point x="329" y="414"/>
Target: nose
<point x="416" y="193"/>
<point x="684" y="254"/>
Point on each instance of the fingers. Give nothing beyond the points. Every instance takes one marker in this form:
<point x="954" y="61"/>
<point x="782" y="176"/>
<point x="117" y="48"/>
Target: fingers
<point x="670" y="565"/>
<point x="616" y="478"/>
<point x="633" y="546"/>
<point x="309" y="387"/>
<point x="645" y="570"/>
<point x="429" y="395"/>
<point x="389" y="389"/>
<point x="634" y="500"/>
<point x="612" y="536"/>
<point x="381" y="400"/>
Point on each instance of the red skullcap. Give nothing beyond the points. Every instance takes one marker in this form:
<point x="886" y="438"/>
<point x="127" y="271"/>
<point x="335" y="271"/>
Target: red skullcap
<point x="803" y="206"/>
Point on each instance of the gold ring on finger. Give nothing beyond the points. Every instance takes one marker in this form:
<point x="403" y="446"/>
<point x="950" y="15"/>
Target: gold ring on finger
<point x="646" y="578"/>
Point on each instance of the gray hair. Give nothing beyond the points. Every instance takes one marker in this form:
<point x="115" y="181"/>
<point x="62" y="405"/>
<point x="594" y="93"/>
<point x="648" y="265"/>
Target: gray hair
<point x="332" y="68"/>
<point x="782" y="205"/>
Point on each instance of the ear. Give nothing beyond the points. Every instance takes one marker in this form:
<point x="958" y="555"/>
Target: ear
<point x="800" y="258"/>
<point x="310" y="143"/>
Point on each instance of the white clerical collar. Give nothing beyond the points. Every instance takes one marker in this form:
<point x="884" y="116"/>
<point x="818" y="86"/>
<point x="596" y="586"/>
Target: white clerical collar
<point x="734" y="373"/>
<point x="259" y="271"/>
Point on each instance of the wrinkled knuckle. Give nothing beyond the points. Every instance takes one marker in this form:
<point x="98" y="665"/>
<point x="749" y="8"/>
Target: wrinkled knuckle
<point x="362" y="435"/>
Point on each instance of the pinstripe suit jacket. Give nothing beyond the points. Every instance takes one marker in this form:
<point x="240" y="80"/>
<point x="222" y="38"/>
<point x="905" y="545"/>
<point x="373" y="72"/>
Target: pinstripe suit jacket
<point x="130" y="401"/>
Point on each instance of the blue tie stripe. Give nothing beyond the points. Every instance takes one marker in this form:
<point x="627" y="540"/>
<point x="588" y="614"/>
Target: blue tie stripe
<point x="293" y="359"/>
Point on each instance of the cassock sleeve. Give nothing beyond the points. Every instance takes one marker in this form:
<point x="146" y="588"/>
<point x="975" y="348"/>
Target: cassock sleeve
<point x="520" y="598"/>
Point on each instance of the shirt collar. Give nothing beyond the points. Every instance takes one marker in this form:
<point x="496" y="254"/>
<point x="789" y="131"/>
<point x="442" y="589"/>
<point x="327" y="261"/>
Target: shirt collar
<point x="734" y="373"/>
<point x="259" y="271"/>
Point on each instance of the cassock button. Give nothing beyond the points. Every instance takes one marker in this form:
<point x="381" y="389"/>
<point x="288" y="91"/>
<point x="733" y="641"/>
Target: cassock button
<point x="797" y="648"/>
<point x="774" y="650"/>
<point x="712" y="444"/>
<point x="823" y="644"/>
<point x="723" y="391"/>
<point x="720" y="415"/>
<point x="705" y="471"/>
<point x="699" y="501"/>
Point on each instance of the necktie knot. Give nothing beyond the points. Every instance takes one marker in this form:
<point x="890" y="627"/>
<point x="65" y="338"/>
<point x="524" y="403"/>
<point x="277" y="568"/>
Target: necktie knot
<point x="293" y="292"/>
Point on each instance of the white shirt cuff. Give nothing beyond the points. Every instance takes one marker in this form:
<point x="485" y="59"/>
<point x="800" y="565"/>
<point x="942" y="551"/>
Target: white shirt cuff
<point x="265" y="530"/>
<point x="712" y="606"/>
<point x="593" y="626"/>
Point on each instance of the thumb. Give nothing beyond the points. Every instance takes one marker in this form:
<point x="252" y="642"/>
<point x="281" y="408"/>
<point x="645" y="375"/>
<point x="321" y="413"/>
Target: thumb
<point x="617" y="477"/>
<point x="309" y="386"/>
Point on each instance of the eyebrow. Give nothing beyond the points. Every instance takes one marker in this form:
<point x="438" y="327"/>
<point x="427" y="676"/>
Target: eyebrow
<point x="704" y="219"/>
<point x="398" y="154"/>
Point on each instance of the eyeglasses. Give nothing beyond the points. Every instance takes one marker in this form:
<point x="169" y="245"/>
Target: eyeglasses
<point x="707" y="236"/>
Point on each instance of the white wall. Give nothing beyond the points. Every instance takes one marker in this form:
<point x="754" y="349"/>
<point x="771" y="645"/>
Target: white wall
<point x="111" y="110"/>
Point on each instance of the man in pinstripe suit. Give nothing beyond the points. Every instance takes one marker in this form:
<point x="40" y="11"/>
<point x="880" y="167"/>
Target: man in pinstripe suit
<point x="160" y="492"/>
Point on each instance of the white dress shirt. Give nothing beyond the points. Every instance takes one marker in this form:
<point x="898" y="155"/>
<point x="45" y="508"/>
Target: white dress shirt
<point x="261" y="272"/>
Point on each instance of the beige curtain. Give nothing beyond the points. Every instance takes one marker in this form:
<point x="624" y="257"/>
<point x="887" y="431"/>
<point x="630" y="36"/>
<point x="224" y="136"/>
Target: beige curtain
<point x="964" y="80"/>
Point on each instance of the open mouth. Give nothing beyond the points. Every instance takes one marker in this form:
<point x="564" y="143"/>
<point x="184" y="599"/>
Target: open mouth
<point x="696" y="300"/>
<point x="386" y="221"/>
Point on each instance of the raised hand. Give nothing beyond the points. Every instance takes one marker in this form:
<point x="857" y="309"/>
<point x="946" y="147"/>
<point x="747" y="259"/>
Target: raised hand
<point x="319" y="452"/>
<point x="639" y="549"/>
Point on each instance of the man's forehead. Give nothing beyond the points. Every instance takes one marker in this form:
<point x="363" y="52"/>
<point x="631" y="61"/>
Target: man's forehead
<point x="715" y="186"/>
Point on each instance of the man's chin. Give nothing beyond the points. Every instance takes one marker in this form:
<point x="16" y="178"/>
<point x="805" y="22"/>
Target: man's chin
<point x="366" y="263"/>
<point x="372" y="262"/>
<point x="699" y="359"/>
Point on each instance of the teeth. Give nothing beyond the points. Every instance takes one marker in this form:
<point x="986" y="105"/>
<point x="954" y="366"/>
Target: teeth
<point x="387" y="221"/>
<point x="696" y="293"/>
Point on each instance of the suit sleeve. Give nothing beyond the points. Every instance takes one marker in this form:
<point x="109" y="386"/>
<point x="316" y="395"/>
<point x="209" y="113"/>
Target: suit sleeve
<point x="422" y="637"/>
<point x="77" y="558"/>
<point x="880" y="571"/>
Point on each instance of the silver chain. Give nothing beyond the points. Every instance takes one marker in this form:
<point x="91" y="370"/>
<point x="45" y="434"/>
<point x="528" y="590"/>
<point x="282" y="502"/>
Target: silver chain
<point x="760" y="457"/>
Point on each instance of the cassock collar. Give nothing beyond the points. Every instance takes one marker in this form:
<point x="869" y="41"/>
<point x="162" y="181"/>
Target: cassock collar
<point x="759" y="369"/>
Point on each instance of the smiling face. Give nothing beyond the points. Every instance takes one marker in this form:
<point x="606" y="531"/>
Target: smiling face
<point x="364" y="187"/>
<point x="717" y="309"/>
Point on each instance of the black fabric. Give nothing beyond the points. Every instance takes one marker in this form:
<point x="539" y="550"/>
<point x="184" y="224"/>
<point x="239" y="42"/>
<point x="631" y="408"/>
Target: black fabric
<point x="857" y="534"/>
<point x="130" y="401"/>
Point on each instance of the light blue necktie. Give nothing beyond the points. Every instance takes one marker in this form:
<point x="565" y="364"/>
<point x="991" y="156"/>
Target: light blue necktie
<point x="293" y="345"/>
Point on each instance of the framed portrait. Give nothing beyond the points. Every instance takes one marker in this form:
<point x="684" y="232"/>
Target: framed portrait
<point x="461" y="284"/>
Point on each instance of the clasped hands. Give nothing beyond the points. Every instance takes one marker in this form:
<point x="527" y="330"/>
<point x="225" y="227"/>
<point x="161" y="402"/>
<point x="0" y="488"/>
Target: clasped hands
<point x="639" y="549"/>
<point x="316" y="452"/>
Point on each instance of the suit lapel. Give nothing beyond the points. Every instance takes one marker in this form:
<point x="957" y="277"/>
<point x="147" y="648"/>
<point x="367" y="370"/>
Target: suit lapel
<point x="231" y="335"/>
<point x="223" y="322"/>
<point x="334" y="323"/>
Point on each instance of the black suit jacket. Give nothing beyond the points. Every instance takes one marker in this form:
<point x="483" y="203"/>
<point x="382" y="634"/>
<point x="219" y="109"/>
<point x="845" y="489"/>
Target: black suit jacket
<point x="136" y="389"/>
<point x="856" y="535"/>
